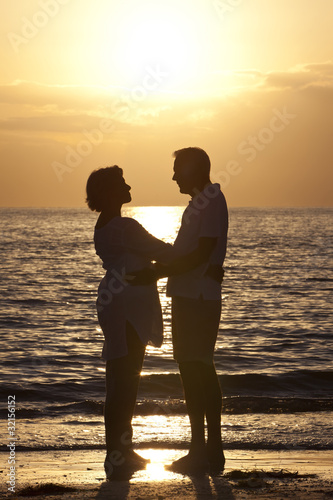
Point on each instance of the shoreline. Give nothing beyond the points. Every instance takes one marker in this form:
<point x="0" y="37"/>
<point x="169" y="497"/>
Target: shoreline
<point x="82" y="471"/>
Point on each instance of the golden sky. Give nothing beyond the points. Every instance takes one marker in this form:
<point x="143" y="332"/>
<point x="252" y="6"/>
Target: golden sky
<point x="86" y="84"/>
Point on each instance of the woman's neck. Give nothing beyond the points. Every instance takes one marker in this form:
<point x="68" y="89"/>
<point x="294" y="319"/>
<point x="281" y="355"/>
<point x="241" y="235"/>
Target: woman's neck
<point x="107" y="215"/>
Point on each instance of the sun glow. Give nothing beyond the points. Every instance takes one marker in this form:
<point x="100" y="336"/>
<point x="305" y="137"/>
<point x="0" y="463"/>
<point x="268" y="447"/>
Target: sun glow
<point x="155" y="470"/>
<point x="114" y="44"/>
<point x="159" y="34"/>
<point x="163" y="223"/>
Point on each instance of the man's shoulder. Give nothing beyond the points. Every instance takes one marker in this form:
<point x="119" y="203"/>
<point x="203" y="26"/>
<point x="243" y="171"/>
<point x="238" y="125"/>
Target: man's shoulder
<point x="210" y="203"/>
<point x="211" y="199"/>
<point x="218" y="203"/>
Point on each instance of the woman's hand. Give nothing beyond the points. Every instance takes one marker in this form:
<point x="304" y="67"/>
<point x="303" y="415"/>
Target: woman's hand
<point x="143" y="277"/>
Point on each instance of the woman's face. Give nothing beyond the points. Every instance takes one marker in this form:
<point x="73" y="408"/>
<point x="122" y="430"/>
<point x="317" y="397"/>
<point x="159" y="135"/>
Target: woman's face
<point x="123" y="191"/>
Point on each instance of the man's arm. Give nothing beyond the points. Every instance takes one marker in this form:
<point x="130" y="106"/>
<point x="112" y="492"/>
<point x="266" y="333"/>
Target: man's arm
<point x="189" y="261"/>
<point x="180" y="265"/>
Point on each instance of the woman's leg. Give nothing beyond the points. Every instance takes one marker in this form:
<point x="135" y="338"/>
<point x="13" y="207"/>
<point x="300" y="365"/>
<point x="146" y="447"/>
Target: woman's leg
<point x="122" y="380"/>
<point x="136" y="352"/>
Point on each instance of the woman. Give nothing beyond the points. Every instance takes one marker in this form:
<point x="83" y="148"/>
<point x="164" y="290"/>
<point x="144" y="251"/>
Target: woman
<point x="130" y="316"/>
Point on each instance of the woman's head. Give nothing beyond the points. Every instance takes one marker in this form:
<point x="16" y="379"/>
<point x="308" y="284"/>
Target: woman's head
<point x="107" y="187"/>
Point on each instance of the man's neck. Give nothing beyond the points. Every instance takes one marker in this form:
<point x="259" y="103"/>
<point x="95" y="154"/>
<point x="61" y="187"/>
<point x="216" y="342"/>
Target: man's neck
<point x="199" y="188"/>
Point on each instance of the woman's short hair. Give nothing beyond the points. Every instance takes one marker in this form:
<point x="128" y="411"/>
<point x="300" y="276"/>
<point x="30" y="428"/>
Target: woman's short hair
<point x="99" y="186"/>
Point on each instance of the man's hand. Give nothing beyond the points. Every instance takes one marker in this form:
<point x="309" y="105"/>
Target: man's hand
<point x="143" y="277"/>
<point x="215" y="272"/>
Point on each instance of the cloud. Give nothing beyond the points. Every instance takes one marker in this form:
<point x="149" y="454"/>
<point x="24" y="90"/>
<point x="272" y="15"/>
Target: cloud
<point x="62" y="96"/>
<point x="300" y="77"/>
<point x="68" y="108"/>
<point x="49" y="123"/>
<point x="32" y="107"/>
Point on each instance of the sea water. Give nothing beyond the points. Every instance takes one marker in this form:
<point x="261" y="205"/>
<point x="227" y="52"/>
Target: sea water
<point x="274" y="353"/>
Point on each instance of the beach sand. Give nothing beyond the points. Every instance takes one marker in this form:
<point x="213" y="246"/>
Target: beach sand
<point x="79" y="474"/>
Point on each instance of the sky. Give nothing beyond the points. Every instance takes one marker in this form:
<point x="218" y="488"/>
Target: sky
<point x="89" y="84"/>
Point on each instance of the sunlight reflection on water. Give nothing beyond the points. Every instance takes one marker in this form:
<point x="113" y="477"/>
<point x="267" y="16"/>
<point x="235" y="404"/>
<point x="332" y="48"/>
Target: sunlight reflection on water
<point x="162" y="222"/>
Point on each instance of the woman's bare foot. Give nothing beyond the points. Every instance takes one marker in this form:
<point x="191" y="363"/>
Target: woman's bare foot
<point x="135" y="457"/>
<point x="216" y="459"/>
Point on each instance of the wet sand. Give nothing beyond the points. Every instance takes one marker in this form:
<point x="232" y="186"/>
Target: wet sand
<point x="79" y="474"/>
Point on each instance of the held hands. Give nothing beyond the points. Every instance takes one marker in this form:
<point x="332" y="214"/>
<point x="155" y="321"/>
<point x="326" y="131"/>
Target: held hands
<point x="145" y="276"/>
<point x="148" y="276"/>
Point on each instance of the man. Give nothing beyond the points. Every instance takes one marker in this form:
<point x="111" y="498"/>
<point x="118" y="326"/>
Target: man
<point x="195" y="287"/>
<point x="196" y="305"/>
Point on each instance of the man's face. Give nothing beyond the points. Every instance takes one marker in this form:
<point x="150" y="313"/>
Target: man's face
<point x="186" y="176"/>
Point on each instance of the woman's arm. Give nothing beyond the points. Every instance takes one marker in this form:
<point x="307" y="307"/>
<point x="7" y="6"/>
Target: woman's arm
<point x="140" y="241"/>
<point x="181" y="265"/>
<point x="189" y="261"/>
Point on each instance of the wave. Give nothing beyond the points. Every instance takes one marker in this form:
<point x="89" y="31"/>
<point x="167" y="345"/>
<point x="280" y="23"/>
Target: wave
<point x="303" y="390"/>
<point x="230" y="445"/>
<point x="296" y="382"/>
<point x="300" y="383"/>
<point x="29" y="301"/>
<point x="319" y="279"/>
<point x="146" y="407"/>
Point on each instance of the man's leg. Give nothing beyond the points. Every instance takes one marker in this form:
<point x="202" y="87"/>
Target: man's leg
<point x="195" y="325"/>
<point x="195" y="402"/>
<point x="213" y="407"/>
<point x="196" y="460"/>
<point x="203" y="398"/>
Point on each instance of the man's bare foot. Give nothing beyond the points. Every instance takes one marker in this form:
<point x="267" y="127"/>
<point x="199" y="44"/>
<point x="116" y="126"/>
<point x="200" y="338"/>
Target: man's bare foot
<point x="189" y="464"/>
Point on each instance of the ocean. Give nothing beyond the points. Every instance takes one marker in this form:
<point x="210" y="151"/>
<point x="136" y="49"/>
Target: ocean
<point x="274" y="353"/>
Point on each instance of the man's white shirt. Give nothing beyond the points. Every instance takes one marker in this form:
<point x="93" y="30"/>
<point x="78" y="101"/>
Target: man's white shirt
<point x="206" y="216"/>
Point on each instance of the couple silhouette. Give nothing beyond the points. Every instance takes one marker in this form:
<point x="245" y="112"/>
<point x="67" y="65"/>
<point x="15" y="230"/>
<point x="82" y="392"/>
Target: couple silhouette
<point x="130" y="315"/>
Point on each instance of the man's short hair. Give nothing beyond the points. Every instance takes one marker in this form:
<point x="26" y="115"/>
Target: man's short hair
<point x="195" y="156"/>
<point x="100" y="184"/>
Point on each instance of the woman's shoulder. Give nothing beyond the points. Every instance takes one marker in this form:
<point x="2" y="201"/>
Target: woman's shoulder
<point x="125" y="228"/>
<point x="130" y="222"/>
<point x="116" y="222"/>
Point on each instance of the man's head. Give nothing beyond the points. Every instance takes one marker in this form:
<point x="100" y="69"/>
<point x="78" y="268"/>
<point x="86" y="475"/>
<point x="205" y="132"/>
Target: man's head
<point x="191" y="170"/>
